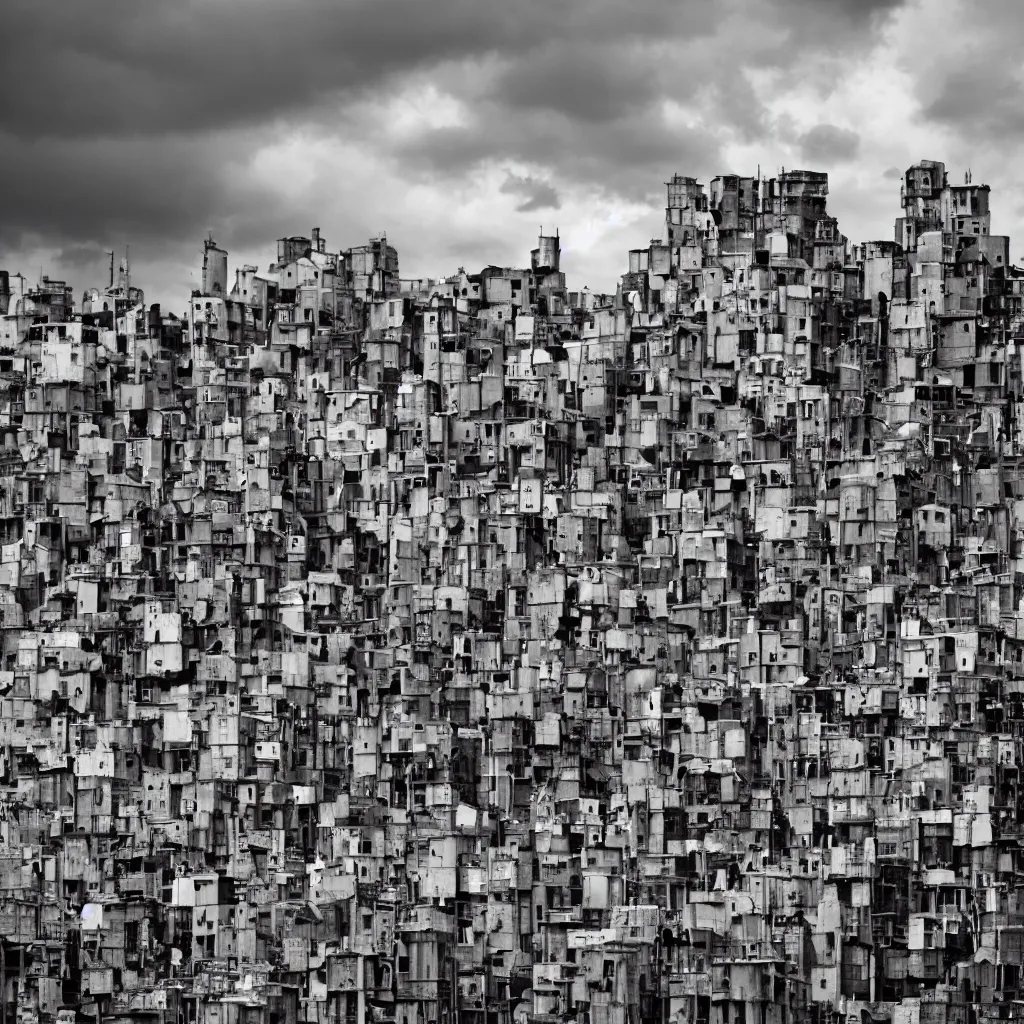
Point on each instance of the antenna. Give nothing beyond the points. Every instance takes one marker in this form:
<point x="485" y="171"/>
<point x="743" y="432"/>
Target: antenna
<point x="111" y="255"/>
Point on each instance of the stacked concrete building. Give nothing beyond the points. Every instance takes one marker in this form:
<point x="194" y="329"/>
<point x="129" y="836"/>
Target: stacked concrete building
<point x="386" y="651"/>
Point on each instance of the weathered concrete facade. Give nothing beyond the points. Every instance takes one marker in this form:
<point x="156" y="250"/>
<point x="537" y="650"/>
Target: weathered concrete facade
<point x="379" y="650"/>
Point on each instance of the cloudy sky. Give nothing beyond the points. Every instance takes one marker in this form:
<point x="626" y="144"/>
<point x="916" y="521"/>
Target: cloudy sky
<point x="458" y="127"/>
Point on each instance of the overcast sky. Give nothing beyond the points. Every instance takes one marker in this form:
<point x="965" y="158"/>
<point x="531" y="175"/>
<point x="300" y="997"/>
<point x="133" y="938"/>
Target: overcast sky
<point x="458" y="127"/>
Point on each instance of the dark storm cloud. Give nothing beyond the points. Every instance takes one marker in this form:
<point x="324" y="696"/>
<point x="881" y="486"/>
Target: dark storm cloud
<point x="625" y="159"/>
<point x="533" y="193"/>
<point x="590" y="84"/>
<point x="988" y="96"/>
<point x="836" y="19"/>
<point x="596" y="115"/>
<point x="100" y="188"/>
<point x="124" y="67"/>
<point x="827" y="145"/>
<point x="978" y="87"/>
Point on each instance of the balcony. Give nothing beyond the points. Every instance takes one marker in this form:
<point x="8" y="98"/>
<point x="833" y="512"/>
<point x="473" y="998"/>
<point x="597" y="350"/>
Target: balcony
<point x="564" y="916"/>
